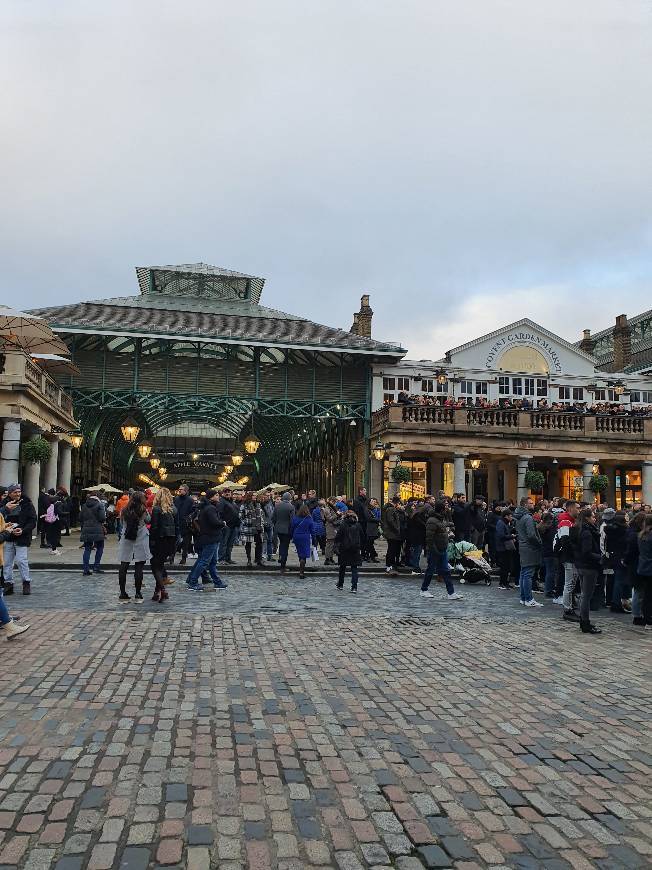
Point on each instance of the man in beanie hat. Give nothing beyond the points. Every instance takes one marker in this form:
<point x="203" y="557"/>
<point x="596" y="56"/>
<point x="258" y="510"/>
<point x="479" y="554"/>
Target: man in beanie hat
<point x="20" y="515"/>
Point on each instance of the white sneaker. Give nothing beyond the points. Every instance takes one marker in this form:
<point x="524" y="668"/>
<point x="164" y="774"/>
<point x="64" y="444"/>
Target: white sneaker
<point x="426" y="594"/>
<point x="532" y="603"/>
<point x="455" y="596"/>
<point x="388" y="570"/>
<point x="559" y="600"/>
<point x="56" y="552"/>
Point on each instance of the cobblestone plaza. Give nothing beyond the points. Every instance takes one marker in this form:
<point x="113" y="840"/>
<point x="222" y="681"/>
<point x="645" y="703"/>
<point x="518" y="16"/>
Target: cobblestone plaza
<point x="282" y="724"/>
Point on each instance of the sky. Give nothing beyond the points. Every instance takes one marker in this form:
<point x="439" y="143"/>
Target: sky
<point x="465" y="162"/>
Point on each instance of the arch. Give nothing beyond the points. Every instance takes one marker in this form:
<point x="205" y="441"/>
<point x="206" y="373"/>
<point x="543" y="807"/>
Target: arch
<point x="523" y="359"/>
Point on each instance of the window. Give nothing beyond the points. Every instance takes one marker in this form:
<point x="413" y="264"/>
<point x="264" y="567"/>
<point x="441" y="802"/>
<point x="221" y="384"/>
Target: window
<point x="402" y="384"/>
<point x="564" y="393"/>
<point x="503" y="386"/>
<point x="599" y="395"/>
<point x="528" y="383"/>
<point x="388" y="398"/>
<point x="542" y="387"/>
<point x="517" y="386"/>
<point x="442" y="388"/>
<point x="578" y="394"/>
<point x="466" y="388"/>
<point x="635" y="396"/>
<point x="389" y="383"/>
<point x="481" y="388"/>
<point x="427" y="386"/>
<point x="647" y="396"/>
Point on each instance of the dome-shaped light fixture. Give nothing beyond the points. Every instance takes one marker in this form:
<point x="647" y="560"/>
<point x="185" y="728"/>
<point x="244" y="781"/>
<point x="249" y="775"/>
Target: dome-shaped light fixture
<point x="475" y="464"/>
<point x="130" y="430"/>
<point x="619" y="388"/>
<point x="77" y="439"/>
<point x="379" y="451"/>
<point x="252" y="443"/>
<point x="228" y="469"/>
<point x="442" y="377"/>
<point x="237" y="458"/>
<point x="154" y="461"/>
<point x="144" y="449"/>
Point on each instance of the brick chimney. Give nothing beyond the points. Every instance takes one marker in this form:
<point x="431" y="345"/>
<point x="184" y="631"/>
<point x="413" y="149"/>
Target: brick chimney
<point x="355" y="329"/>
<point x="622" y="343"/>
<point x="362" y="320"/>
<point x="587" y="344"/>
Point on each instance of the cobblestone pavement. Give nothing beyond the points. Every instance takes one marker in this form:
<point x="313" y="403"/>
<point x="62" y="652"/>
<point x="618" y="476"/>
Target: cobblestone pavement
<point x="373" y="731"/>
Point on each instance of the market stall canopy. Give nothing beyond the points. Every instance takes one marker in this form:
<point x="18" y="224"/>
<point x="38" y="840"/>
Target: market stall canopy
<point x="28" y="333"/>
<point x="55" y="364"/>
<point x="275" y="487"/>
<point x="104" y="487"/>
<point x="230" y="484"/>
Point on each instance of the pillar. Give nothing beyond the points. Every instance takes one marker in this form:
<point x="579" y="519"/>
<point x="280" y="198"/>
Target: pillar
<point x="553" y="482"/>
<point x="522" y="466"/>
<point x="436" y="480"/>
<point x="10" y="453"/>
<point x="65" y="465"/>
<point x="587" y="474"/>
<point x="376" y="480"/>
<point x="32" y="476"/>
<point x="459" y="472"/>
<point x="510" y="480"/>
<point x="492" y="481"/>
<point x="646" y="481"/>
<point x="610" y="492"/>
<point x="50" y="481"/>
<point x="392" y="485"/>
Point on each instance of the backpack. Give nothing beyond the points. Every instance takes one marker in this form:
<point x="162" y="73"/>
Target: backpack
<point x="50" y="516"/>
<point x="350" y="538"/>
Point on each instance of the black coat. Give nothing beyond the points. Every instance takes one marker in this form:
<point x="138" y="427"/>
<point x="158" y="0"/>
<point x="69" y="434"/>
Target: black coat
<point x="24" y="519"/>
<point x="361" y="506"/>
<point x="461" y="520"/>
<point x="615" y="543"/>
<point x="185" y="506"/>
<point x="416" y="526"/>
<point x="587" y="552"/>
<point x="211" y="523"/>
<point x="163" y="525"/>
<point x="349" y="537"/>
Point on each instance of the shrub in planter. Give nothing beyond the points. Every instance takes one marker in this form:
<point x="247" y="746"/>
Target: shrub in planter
<point x="534" y="480"/>
<point x="598" y="483"/>
<point x="401" y="474"/>
<point x="36" y="450"/>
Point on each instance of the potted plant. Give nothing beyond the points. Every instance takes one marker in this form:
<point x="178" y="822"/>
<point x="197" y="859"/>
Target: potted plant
<point x="36" y="451"/>
<point x="401" y="474"/>
<point x="534" y="479"/>
<point x="598" y="483"/>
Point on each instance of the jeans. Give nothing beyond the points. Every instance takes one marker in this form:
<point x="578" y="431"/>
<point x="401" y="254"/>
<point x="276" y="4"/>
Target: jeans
<point x="570" y="581"/>
<point x="637" y="603"/>
<point x="14" y="553"/>
<point x="86" y="557"/>
<point x="258" y="549"/>
<point x="207" y="559"/>
<point x="438" y="564"/>
<point x="283" y="547"/>
<point x="620" y="585"/>
<point x="505" y="563"/>
<point x="525" y="581"/>
<point x="589" y="578"/>
<point x="4" y="613"/>
<point x="269" y="542"/>
<point x="229" y="537"/>
<point x="354" y="576"/>
<point x="415" y="556"/>
<point x="550" y="566"/>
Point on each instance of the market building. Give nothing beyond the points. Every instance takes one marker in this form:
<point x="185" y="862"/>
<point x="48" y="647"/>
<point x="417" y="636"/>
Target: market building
<point x="451" y="442"/>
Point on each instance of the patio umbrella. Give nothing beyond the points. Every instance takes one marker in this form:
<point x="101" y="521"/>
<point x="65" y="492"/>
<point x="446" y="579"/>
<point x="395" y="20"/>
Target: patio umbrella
<point x="28" y="333"/>
<point x="230" y="484"/>
<point x="103" y="487"/>
<point x="55" y="364"/>
<point x="275" y="487"/>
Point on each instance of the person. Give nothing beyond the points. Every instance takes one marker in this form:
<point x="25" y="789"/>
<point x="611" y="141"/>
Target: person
<point x="303" y="530"/>
<point x="133" y="546"/>
<point x="615" y="551"/>
<point x="209" y="528"/>
<point x="478" y="521"/>
<point x="437" y="535"/>
<point x="163" y="533"/>
<point x="349" y="538"/>
<point x="505" y="545"/>
<point x="251" y="528"/>
<point x="231" y="514"/>
<point x="120" y="505"/>
<point x="283" y="516"/>
<point x="91" y="534"/>
<point x="373" y="528"/>
<point x="52" y="521"/>
<point x="644" y="569"/>
<point x="588" y="559"/>
<point x="391" y="525"/>
<point x="311" y="499"/>
<point x="360" y="506"/>
<point x="19" y="513"/>
<point x="10" y="628"/>
<point x="631" y="564"/>
<point x="529" y="549"/>
<point x="461" y="517"/>
<point x="184" y="505"/>
<point x="267" y="507"/>
<point x="332" y="520"/>
<point x="64" y="511"/>
<point x="490" y="531"/>
<point x="547" y="531"/>
<point x="317" y="514"/>
<point x="416" y="535"/>
<point x="43" y="504"/>
<point x="75" y="511"/>
<point x="563" y="549"/>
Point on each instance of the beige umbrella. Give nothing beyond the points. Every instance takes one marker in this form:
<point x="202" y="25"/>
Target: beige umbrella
<point x="275" y="487"/>
<point x="103" y="487"/>
<point x="230" y="484"/>
<point x="28" y="333"/>
<point x="55" y="364"/>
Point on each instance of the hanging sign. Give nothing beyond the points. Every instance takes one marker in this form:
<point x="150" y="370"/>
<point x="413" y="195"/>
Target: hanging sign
<point x="200" y="465"/>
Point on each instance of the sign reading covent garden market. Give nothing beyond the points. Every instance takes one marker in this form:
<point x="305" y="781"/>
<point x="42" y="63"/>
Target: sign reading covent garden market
<point x="523" y="339"/>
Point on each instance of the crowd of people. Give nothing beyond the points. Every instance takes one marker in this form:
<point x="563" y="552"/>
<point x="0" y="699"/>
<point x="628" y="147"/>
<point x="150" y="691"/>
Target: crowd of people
<point x="612" y="409"/>
<point x="582" y="556"/>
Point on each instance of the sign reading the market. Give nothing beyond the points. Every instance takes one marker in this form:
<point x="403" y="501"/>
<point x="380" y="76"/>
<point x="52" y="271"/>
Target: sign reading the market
<point x="523" y="339"/>
<point x="200" y="465"/>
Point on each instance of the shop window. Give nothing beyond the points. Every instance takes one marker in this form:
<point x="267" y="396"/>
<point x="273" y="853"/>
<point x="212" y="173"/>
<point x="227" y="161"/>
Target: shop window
<point x="542" y="387"/>
<point x="416" y="487"/>
<point x="503" y="386"/>
<point x="403" y="384"/>
<point x="517" y="386"/>
<point x="389" y="383"/>
<point x="481" y="388"/>
<point x="427" y="386"/>
<point x="466" y="388"/>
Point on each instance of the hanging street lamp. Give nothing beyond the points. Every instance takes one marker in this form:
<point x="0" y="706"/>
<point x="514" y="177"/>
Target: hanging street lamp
<point x="237" y="458"/>
<point x="154" y="461"/>
<point x="77" y="439"/>
<point x="162" y="473"/>
<point x="252" y="443"/>
<point x="228" y="469"/>
<point x="130" y="430"/>
<point x="144" y="449"/>
<point x="442" y="377"/>
<point x="475" y="464"/>
<point x="378" y="451"/>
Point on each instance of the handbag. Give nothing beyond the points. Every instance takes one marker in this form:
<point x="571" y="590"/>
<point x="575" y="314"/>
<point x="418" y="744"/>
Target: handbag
<point x="314" y="555"/>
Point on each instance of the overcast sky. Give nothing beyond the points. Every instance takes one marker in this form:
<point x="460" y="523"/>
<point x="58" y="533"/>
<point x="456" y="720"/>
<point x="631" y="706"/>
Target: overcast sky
<point x="466" y="162"/>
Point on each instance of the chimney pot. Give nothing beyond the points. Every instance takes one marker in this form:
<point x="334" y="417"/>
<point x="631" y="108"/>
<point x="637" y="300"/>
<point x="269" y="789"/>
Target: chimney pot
<point x="622" y="339"/>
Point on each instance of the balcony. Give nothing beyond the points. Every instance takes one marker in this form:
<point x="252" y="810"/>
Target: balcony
<point x="528" y="425"/>
<point x="20" y="377"/>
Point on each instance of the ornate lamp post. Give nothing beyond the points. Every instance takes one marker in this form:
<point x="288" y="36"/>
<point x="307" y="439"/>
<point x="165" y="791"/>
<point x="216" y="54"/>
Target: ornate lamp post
<point x="130" y="430"/>
<point x="144" y="449"/>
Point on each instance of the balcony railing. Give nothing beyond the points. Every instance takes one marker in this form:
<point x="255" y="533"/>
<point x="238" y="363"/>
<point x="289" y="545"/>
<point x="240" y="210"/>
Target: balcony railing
<point x="19" y="371"/>
<point x="501" y="421"/>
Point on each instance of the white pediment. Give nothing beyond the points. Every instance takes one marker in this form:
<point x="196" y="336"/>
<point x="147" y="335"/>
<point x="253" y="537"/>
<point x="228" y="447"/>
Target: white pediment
<point x="526" y="347"/>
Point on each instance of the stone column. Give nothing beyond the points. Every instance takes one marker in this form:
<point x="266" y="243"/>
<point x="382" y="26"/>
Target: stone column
<point x="510" y="480"/>
<point x="392" y="485"/>
<point x="522" y="467"/>
<point x="610" y="492"/>
<point x="10" y="453"/>
<point x="459" y="473"/>
<point x="376" y="480"/>
<point x="492" y="481"/>
<point x="50" y="481"/>
<point x="646" y="481"/>
<point x="32" y="477"/>
<point x="553" y="482"/>
<point x="65" y="465"/>
<point x="435" y="476"/>
<point x="587" y="474"/>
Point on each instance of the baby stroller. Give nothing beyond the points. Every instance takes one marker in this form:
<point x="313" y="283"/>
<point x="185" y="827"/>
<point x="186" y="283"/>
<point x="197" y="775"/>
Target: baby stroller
<point x="469" y="563"/>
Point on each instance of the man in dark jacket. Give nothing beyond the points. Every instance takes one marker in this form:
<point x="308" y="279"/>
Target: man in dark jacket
<point x="361" y="508"/>
<point x="231" y="516"/>
<point x="185" y="505"/>
<point x="478" y="521"/>
<point x="461" y="518"/>
<point x="391" y="525"/>
<point x="530" y="548"/>
<point x="436" y="539"/>
<point x="282" y="518"/>
<point x="18" y="510"/>
<point x="207" y="536"/>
